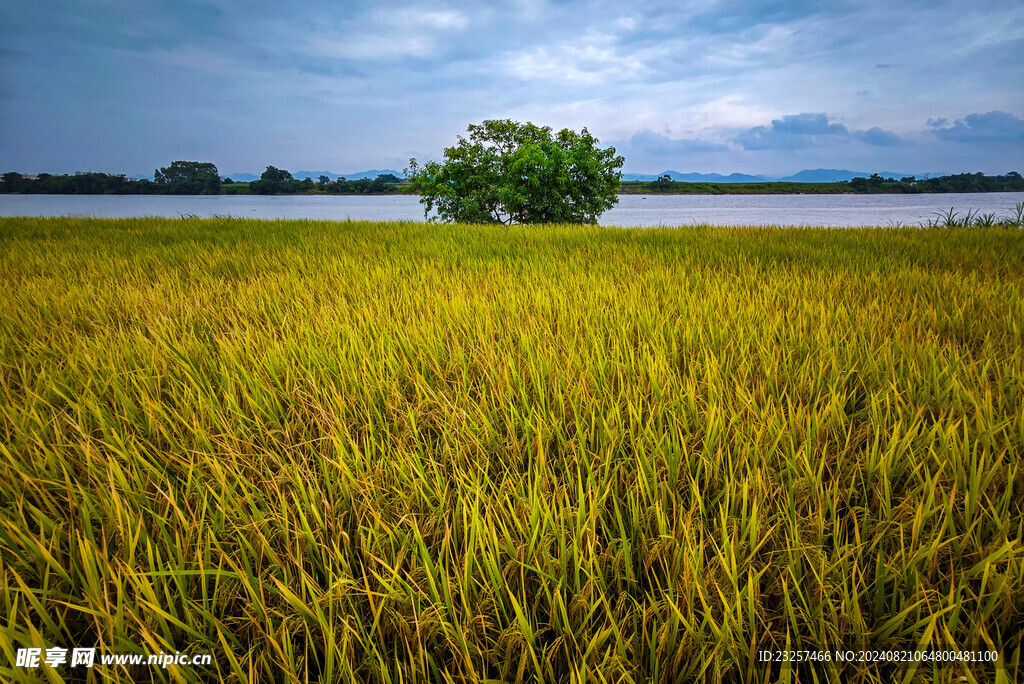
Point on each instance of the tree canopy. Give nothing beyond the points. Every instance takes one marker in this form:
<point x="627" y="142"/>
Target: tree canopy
<point x="273" y="181"/>
<point x="188" y="178"/>
<point x="510" y="172"/>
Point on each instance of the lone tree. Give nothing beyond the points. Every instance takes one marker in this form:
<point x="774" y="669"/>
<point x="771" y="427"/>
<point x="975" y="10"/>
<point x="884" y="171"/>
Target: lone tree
<point x="664" y="182"/>
<point x="509" y="172"/>
<point x="188" y="178"/>
<point x="272" y="181"/>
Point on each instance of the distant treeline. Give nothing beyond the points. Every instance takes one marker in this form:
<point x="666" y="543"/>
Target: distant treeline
<point x="192" y="178"/>
<point x="275" y="181"/>
<point x="875" y="184"/>
<point x="202" y="178"/>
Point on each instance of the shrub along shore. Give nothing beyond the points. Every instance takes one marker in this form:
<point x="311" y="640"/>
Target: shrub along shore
<point x="405" y="452"/>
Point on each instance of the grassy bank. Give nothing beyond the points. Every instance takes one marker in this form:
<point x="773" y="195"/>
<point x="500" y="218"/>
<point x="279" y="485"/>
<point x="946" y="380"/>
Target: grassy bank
<point x="400" y="452"/>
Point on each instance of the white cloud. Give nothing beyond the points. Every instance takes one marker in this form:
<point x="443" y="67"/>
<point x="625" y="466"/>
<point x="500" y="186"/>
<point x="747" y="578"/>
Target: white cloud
<point x="529" y="9"/>
<point x="774" y="41"/>
<point x="591" y="61"/>
<point x="448" y="20"/>
<point x="727" y="111"/>
<point x="389" y="35"/>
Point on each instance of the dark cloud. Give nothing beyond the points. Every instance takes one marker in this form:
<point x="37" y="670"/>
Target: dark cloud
<point x="877" y="136"/>
<point x="995" y="126"/>
<point x="807" y="124"/>
<point x="649" y="141"/>
<point x="791" y="132"/>
<point x="796" y="131"/>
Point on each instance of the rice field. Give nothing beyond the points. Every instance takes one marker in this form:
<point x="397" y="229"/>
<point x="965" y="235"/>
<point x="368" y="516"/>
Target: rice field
<point x="399" y="452"/>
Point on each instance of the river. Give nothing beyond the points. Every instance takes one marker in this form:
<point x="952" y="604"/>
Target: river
<point x="632" y="210"/>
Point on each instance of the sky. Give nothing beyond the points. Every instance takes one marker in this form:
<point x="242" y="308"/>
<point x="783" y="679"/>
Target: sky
<point x="125" y="86"/>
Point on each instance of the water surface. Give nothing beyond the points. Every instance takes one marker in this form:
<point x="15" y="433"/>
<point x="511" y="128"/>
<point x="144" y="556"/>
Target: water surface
<point x="632" y="210"/>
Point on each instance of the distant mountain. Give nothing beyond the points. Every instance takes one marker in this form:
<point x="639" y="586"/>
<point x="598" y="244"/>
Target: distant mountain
<point x="315" y="175"/>
<point x="371" y="174"/>
<point x="695" y="177"/>
<point x="835" y="175"/>
<point x="805" y="176"/>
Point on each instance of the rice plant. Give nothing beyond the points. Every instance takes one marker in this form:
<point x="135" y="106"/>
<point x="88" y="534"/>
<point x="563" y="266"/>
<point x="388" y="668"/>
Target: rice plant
<point x="948" y="219"/>
<point x="398" y="452"/>
<point x="988" y="220"/>
<point x="1016" y="217"/>
<point x="973" y="219"/>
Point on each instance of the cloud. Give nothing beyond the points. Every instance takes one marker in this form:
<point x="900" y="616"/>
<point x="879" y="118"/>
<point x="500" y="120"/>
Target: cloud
<point x="807" y="124"/>
<point x="754" y="48"/>
<point x="446" y="19"/>
<point x="791" y="132"/>
<point x="626" y="23"/>
<point x="735" y="15"/>
<point x="318" y="84"/>
<point x="389" y="35"/>
<point x="796" y="131"/>
<point x="994" y="126"/>
<point x="877" y="136"/>
<point x="649" y="141"/>
<point x="589" y="61"/>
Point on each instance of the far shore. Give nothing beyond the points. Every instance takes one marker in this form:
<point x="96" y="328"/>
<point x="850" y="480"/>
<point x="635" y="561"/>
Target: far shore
<point x="626" y="189"/>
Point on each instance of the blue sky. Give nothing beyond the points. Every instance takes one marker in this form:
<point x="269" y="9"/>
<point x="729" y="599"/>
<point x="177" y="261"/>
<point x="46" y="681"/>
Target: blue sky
<point x="770" y="88"/>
